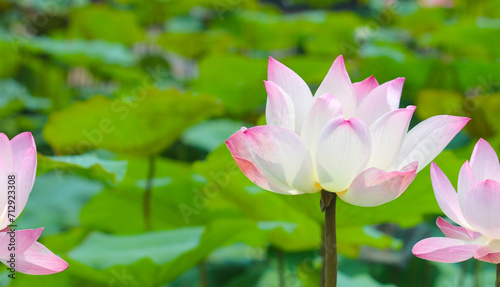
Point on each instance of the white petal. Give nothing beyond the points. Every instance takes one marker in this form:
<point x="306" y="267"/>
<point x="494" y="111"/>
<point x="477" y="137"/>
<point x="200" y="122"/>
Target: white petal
<point x="481" y="208"/>
<point x="388" y="133"/>
<point x="338" y="83"/>
<point x="294" y="86"/>
<point x="381" y="100"/>
<point x="426" y="140"/>
<point x="279" y="107"/>
<point x="484" y="162"/>
<point x="446" y="196"/>
<point x="324" y="109"/>
<point x="465" y="181"/>
<point x="456" y="232"/>
<point x="364" y="87"/>
<point x="375" y="187"/>
<point x="446" y="250"/>
<point x="279" y="155"/>
<point x="342" y="153"/>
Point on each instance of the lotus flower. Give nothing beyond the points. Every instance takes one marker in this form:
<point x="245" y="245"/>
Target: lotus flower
<point x="350" y="139"/>
<point x="18" y="158"/>
<point x="476" y="208"/>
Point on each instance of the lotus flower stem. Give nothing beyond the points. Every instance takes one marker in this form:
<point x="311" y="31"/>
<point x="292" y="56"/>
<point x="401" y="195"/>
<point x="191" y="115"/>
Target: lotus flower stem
<point x="281" y="266"/>
<point x="147" y="192"/>
<point x="497" y="282"/>
<point x="202" y="267"/>
<point x="477" y="272"/>
<point x="323" y="265"/>
<point x="328" y="206"/>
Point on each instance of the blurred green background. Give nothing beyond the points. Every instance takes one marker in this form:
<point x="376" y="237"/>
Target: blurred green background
<point x="130" y="102"/>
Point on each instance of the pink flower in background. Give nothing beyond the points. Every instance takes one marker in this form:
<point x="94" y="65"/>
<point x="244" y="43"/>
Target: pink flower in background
<point x="351" y="139"/>
<point x="476" y="208"/>
<point x="18" y="158"/>
<point x="437" y="3"/>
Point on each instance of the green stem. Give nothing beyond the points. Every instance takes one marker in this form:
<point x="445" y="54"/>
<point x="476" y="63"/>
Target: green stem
<point x="203" y="274"/>
<point x="281" y="267"/>
<point x="328" y="205"/>
<point x="497" y="282"/>
<point x="477" y="273"/>
<point x="147" y="192"/>
<point x="323" y="265"/>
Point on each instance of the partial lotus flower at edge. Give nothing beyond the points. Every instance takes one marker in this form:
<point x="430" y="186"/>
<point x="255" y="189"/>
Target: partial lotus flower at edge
<point x="349" y="138"/>
<point x="18" y="156"/>
<point x="475" y="207"/>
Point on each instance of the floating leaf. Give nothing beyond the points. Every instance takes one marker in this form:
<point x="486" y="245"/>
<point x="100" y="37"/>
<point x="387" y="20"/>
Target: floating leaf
<point x="167" y="254"/>
<point x="120" y="25"/>
<point x="363" y="280"/>
<point x="87" y="164"/>
<point x="16" y="98"/>
<point x="78" y="52"/>
<point x="143" y="125"/>
<point x="102" y="250"/>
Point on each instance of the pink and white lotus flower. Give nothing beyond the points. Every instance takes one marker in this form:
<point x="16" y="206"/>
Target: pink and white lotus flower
<point x="18" y="157"/>
<point x="351" y="139"/>
<point x="476" y="208"/>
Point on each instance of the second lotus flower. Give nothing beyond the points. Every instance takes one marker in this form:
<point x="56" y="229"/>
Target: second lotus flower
<point x="475" y="207"/>
<point x="351" y="139"/>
